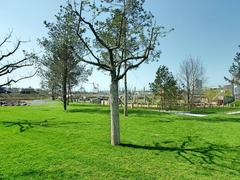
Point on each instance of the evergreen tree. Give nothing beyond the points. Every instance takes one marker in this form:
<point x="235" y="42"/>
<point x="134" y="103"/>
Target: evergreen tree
<point x="165" y="87"/>
<point x="60" y="67"/>
<point x="234" y="71"/>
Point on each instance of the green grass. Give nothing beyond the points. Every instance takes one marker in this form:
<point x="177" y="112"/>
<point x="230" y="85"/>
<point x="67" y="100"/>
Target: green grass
<point x="76" y="145"/>
<point x="214" y="110"/>
<point x="236" y="103"/>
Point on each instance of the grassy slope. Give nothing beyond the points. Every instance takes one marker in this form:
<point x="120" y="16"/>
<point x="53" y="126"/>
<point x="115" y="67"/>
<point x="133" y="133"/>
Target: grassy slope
<point x="155" y="145"/>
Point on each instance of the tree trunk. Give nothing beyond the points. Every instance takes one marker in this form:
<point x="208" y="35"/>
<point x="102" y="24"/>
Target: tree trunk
<point x="53" y="94"/>
<point x="64" y="96"/>
<point x="125" y="95"/>
<point x="115" y="128"/>
<point x="188" y="99"/>
<point x="64" y="87"/>
<point x="68" y="95"/>
<point x="233" y="92"/>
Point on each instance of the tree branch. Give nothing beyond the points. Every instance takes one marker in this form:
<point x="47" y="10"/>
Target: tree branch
<point x="143" y="58"/>
<point x="15" y="81"/>
<point x="98" y="64"/>
<point x="11" y="52"/>
<point x="5" y="39"/>
<point x="15" y="65"/>
<point x="93" y="30"/>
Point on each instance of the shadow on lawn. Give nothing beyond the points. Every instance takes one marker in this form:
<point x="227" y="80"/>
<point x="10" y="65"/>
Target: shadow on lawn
<point x="89" y="110"/>
<point x="42" y="173"/>
<point x="25" y="124"/>
<point x="208" y="155"/>
<point x="217" y="119"/>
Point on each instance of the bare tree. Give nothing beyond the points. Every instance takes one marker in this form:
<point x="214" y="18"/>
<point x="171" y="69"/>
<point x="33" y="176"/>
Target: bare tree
<point x="9" y="66"/>
<point x="103" y="38"/>
<point x="191" y="76"/>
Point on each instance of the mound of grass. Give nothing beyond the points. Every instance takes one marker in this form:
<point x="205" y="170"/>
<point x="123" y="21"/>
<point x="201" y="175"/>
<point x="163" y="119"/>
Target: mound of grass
<point x="54" y="144"/>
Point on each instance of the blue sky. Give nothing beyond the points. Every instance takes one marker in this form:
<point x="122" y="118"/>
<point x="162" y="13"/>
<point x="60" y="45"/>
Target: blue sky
<point x="208" y="29"/>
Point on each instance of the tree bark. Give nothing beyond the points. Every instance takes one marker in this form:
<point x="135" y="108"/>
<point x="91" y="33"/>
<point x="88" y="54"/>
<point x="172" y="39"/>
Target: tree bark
<point x="64" y="97"/>
<point x="125" y="95"/>
<point x="53" y="94"/>
<point x="115" y="128"/>
<point x="64" y="87"/>
<point x="233" y="92"/>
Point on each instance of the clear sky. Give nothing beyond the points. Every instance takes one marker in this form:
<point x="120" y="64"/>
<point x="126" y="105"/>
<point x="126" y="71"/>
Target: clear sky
<point x="208" y="29"/>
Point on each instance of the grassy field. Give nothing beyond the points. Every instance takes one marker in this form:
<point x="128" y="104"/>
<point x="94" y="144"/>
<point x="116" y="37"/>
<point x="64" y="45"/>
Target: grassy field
<point x="76" y="144"/>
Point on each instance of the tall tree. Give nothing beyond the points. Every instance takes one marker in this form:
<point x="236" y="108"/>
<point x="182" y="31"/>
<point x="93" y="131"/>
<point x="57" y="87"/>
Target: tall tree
<point x="101" y="30"/>
<point x="49" y="74"/>
<point x="131" y="13"/>
<point x="234" y="71"/>
<point x="60" y="66"/>
<point x="8" y="66"/>
<point x="165" y="87"/>
<point x="191" y="74"/>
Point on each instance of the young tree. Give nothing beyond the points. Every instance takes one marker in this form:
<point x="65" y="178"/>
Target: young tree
<point x="49" y="74"/>
<point x="234" y="72"/>
<point x="165" y="86"/>
<point x="191" y="75"/>
<point x="101" y="30"/>
<point x="8" y="66"/>
<point x="128" y="11"/>
<point x="60" y="66"/>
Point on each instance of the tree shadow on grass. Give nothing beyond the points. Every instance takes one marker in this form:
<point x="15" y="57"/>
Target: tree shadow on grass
<point x="25" y="125"/>
<point x="162" y="120"/>
<point x="89" y="110"/>
<point x="217" y="119"/>
<point x="213" y="110"/>
<point x="143" y="112"/>
<point x="207" y="155"/>
<point x="41" y="173"/>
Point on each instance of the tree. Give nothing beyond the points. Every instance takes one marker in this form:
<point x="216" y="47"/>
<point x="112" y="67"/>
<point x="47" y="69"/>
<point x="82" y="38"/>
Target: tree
<point x="128" y="14"/>
<point x="60" y="67"/>
<point x="8" y="66"/>
<point x="165" y="86"/>
<point x="49" y="74"/>
<point x="234" y="71"/>
<point x="191" y="76"/>
<point x="101" y="29"/>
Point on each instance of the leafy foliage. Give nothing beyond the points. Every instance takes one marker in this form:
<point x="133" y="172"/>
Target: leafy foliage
<point x="235" y="70"/>
<point x="60" y="67"/>
<point x="165" y="86"/>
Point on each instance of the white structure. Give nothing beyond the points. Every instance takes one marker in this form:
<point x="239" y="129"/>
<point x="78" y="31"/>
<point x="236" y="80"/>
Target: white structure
<point x="237" y="91"/>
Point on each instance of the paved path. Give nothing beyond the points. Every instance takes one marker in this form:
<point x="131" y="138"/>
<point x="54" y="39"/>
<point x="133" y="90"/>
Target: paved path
<point x="182" y="113"/>
<point x="191" y="114"/>
<point x="232" y="113"/>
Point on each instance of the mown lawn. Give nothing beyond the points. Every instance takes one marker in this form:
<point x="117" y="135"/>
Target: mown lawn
<point x="76" y="144"/>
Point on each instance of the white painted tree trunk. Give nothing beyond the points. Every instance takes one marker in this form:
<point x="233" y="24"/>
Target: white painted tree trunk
<point x="115" y="128"/>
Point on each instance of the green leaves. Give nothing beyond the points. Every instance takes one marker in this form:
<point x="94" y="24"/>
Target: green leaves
<point x="164" y="85"/>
